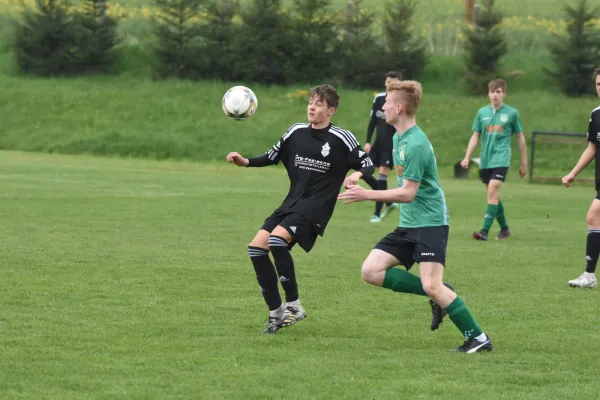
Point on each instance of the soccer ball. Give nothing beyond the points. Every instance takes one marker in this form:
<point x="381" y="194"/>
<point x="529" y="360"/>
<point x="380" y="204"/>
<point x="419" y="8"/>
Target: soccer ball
<point x="239" y="103"/>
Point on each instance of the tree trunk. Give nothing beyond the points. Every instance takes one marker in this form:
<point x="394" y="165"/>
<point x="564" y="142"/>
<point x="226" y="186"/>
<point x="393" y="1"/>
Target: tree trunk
<point x="469" y="11"/>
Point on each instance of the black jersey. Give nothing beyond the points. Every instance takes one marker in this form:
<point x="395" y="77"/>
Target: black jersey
<point x="385" y="131"/>
<point x="593" y="136"/>
<point x="317" y="161"/>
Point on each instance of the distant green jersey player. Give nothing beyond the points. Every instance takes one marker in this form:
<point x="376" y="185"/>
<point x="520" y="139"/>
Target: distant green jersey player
<point x="496" y="124"/>
<point x="422" y="232"/>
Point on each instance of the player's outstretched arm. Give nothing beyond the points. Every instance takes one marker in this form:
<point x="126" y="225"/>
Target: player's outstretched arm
<point x="586" y="157"/>
<point x="523" y="149"/>
<point x="260" y="161"/>
<point x="470" y="149"/>
<point x="237" y="159"/>
<point x="404" y="194"/>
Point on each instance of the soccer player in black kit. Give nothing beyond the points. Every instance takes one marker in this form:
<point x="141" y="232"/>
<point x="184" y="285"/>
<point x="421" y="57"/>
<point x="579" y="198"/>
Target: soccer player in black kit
<point x="381" y="151"/>
<point x="588" y="278"/>
<point x="317" y="156"/>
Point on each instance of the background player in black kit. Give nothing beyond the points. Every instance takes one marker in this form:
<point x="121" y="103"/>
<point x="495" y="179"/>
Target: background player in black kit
<point x="381" y="151"/>
<point x="317" y="156"/>
<point x="588" y="278"/>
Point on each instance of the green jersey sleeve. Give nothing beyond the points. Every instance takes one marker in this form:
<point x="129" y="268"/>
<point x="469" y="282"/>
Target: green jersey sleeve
<point x="476" y="123"/>
<point x="416" y="162"/>
<point x="516" y="123"/>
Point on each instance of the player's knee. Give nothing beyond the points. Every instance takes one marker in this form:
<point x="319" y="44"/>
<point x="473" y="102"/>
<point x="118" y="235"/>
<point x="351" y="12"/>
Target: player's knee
<point x="368" y="273"/>
<point x="261" y="241"/>
<point x="431" y="287"/>
<point x="593" y="220"/>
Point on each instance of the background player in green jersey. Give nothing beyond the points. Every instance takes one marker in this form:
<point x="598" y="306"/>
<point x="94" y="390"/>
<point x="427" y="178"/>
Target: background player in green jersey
<point x="422" y="234"/>
<point x="495" y="124"/>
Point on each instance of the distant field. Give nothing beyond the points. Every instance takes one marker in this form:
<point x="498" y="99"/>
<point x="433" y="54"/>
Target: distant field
<point x="132" y="116"/>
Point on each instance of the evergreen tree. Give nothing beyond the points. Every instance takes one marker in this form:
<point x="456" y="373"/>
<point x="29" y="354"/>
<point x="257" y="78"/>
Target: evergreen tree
<point x="484" y="47"/>
<point x="178" y="51"/>
<point x="263" y="45"/>
<point x="577" y="53"/>
<point x="405" y="52"/>
<point x="46" y="39"/>
<point x="316" y="47"/>
<point x="97" y="37"/>
<point x="217" y="35"/>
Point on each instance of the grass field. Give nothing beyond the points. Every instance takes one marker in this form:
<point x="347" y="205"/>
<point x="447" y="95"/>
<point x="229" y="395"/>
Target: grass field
<point x="132" y="116"/>
<point x="129" y="279"/>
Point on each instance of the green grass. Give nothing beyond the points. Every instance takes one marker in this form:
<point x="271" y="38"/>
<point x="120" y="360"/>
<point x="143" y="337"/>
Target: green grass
<point x="137" y="117"/>
<point x="129" y="279"/>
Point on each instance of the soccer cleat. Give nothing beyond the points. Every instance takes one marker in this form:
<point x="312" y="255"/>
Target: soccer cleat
<point x="437" y="312"/>
<point x="480" y="235"/>
<point x="375" y="219"/>
<point x="585" y="280"/>
<point x="504" y="234"/>
<point x="387" y="209"/>
<point x="271" y="325"/>
<point x="291" y="315"/>
<point x="474" y="346"/>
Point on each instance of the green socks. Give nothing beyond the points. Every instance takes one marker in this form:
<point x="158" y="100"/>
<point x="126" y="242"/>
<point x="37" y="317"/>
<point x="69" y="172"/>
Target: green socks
<point x="500" y="216"/>
<point x="402" y="281"/>
<point x="463" y="319"/>
<point x="490" y="216"/>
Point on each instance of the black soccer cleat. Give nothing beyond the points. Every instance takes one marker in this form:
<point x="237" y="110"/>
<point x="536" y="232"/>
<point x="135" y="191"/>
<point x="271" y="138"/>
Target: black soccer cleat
<point x="474" y="346"/>
<point x="480" y="235"/>
<point x="504" y="234"/>
<point x="437" y="312"/>
<point x="271" y="325"/>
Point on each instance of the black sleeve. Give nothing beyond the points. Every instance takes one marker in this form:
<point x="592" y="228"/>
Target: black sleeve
<point x="372" y="122"/>
<point x="261" y="161"/>
<point x="593" y="128"/>
<point x="360" y="161"/>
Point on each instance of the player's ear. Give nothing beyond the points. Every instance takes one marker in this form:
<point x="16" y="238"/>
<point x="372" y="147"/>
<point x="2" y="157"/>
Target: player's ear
<point x="331" y="111"/>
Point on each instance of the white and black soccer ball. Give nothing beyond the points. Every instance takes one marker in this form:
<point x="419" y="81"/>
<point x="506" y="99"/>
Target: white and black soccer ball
<point x="239" y="103"/>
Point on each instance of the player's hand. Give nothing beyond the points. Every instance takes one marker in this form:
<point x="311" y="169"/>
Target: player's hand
<point x="567" y="180"/>
<point x="352" y="179"/>
<point x="237" y="159"/>
<point x="465" y="163"/>
<point x="367" y="147"/>
<point x="523" y="170"/>
<point x="352" y="194"/>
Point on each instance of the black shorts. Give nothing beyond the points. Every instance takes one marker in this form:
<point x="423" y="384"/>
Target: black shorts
<point x="488" y="174"/>
<point x="410" y="245"/>
<point x="382" y="158"/>
<point x="598" y="195"/>
<point x="298" y="227"/>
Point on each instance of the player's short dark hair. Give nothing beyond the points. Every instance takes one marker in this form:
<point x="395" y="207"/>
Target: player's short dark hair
<point x="596" y="72"/>
<point x="327" y="93"/>
<point x="394" y="74"/>
<point x="497" y="84"/>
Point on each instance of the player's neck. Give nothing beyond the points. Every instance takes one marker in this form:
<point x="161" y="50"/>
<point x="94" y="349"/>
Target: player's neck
<point x="496" y="107"/>
<point x="320" y="125"/>
<point x="404" y="125"/>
